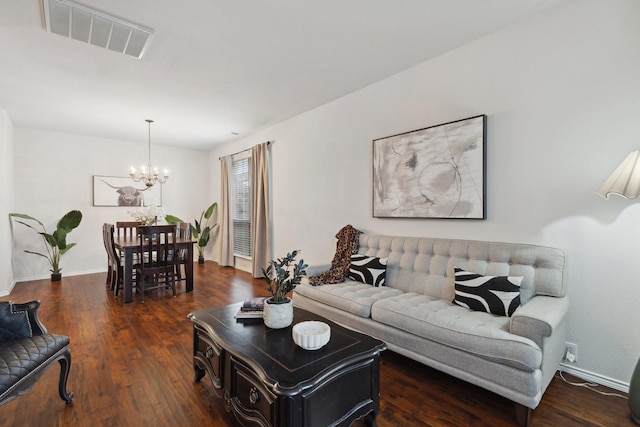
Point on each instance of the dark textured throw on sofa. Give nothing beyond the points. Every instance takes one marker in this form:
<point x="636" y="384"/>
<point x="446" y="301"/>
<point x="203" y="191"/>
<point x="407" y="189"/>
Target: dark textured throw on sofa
<point x="348" y="238"/>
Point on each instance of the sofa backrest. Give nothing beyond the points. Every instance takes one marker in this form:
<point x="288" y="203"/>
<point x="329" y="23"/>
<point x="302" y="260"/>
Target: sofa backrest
<point x="426" y="265"/>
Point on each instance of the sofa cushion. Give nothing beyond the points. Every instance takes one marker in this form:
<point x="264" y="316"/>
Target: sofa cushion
<point x="13" y="323"/>
<point x="368" y="269"/>
<point x="353" y="297"/>
<point x="491" y="294"/>
<point x="482" y="334"/>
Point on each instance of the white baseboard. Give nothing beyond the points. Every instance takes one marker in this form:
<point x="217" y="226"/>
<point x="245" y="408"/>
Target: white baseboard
<point x="595" y="378"/>
<point x="72" y="273"/>
<point x="8" y="292"/>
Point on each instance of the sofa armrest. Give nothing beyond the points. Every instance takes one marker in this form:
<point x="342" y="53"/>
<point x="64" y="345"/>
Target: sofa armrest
<point x="31" y="307"/>
<point x="314" y="270"/>
<point x="539" y="317"/>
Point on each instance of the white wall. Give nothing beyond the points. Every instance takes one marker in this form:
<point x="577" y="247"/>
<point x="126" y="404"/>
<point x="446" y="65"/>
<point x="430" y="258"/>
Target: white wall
<point x="6" y="202"/>
<point x="562" y="95"/>
<point x="53" y="175"/>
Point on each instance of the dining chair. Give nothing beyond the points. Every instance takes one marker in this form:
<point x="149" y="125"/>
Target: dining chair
<point x="115" y="268"/>
<point x="106" y="242"/>
<point x="183" y="231"/>
<point x="156" y="266"/>
<point x="115" y="276"/>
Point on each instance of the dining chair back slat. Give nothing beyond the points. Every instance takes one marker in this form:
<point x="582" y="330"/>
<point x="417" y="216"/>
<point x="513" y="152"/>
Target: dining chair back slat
<point x="128" y="229"/>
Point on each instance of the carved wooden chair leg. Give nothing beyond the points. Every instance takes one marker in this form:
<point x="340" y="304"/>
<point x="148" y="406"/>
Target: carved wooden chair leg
<point x="109" y="272"/>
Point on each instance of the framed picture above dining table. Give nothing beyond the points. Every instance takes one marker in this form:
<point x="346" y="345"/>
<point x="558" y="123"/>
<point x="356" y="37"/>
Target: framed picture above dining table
<point x="123" y="191"/>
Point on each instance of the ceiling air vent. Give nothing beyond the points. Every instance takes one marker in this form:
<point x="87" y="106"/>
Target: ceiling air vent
<point x="73" y="20"/>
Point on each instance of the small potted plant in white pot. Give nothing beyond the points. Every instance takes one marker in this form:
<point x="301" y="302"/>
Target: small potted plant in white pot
<point x="282" y="276"/>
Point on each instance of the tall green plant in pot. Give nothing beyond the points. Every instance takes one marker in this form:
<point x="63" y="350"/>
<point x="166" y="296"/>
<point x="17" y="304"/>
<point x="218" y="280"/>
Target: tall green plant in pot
<point x="56" y="242"/>
<point x="201" y="231"/>
<point x="282" y="276"/>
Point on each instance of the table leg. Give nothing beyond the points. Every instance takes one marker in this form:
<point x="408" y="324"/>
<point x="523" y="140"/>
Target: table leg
<point x="189" y="269"/>
<point x="128" y="272"/>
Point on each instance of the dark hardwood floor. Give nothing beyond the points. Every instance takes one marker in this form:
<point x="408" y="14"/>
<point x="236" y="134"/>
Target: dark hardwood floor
<point x="132" y="365"/>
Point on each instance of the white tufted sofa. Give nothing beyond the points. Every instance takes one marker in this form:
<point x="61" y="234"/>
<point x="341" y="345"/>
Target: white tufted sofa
<point x="515" y="357"/>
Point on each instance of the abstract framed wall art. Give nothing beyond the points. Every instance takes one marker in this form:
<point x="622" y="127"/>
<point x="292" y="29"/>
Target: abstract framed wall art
<point x="435" y="172"/>
<point x="123" y="191"/>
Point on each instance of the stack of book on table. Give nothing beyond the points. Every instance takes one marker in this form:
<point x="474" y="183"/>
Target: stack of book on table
<point x="251" y="308"/>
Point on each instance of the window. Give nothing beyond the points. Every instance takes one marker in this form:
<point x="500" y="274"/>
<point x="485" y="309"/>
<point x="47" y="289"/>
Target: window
<point x="241" y="199"/>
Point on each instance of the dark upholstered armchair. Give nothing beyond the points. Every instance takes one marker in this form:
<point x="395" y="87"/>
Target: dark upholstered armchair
<point x="27" y="349"/>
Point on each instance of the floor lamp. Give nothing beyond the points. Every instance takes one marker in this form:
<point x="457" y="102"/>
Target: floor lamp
<point x="625" y="181"/>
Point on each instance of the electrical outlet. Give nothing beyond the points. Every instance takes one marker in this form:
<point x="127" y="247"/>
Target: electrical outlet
<point x="571" y="353"/>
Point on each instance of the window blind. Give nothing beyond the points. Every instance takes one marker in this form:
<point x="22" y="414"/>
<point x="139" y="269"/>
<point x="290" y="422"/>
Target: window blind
<point x="241" y="187"/>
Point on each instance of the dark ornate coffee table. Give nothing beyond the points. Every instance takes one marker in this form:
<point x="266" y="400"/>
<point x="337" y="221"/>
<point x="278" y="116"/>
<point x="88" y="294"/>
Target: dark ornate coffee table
<point x="265" y="379"/>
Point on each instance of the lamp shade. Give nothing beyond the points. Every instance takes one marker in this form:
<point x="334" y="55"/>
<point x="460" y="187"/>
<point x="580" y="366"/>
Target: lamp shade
<point x="625" y="180"/>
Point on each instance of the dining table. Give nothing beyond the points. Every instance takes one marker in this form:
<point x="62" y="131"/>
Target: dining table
<point x="128" y="246"/>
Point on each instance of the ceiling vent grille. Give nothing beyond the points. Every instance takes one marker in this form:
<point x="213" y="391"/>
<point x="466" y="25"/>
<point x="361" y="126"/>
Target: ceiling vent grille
<point x="73" y="20"/>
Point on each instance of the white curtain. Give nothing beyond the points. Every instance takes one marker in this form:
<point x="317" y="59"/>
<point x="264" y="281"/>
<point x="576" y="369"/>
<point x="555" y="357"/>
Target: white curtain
<point x="226" y="225"/>
<point x="260" y="208"/>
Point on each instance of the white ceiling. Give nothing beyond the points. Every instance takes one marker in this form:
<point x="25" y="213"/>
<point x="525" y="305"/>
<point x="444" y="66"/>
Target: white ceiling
<point x="215" y="67"/>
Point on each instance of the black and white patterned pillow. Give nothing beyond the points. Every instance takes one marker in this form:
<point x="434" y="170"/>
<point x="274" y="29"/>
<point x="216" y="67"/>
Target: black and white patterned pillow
<point x="368" y="269"/>
<point x="493" y="294"/>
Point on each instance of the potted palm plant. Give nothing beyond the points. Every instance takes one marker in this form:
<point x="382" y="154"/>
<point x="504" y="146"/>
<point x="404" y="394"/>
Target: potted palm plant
<point x="282" y="276"/>
<point x="56" y="243"/>
<point x="201" y="231"/>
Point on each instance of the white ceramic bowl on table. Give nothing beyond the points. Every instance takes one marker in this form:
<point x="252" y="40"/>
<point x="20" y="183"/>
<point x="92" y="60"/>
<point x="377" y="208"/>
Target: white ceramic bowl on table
<point x="311" y="335"/>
